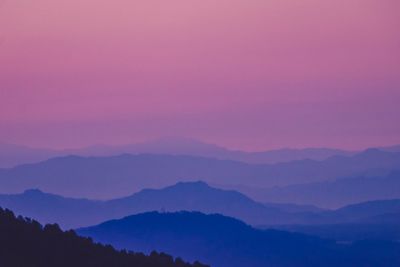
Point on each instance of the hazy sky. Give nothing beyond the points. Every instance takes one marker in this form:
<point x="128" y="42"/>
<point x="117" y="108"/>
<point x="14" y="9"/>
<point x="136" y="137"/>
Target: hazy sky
<point x="249" y="74"/>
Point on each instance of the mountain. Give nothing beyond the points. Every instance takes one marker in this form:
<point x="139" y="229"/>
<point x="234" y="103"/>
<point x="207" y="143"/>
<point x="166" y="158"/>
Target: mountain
<point x="294" y="208"/>
<point x="362" y="211"/>
<point x="287" y="155"/>
<point x="188" y="146"/>
<point x="368" y="220"/>
<point x="116" y="176"/>
<point x="385" y="218"/>
<point x="13" y="155"/>
<point x="24" y="242"/>
<point x="349" y="232"/>
<point x="395" y="148"/>
<point x="198" y="196"/>
<point x="50" y="208"/>
<point x="190" y="196"/>
<point x="333" y="194"/>
<point x="223" y="241"/>
<point x="378" y="211"/>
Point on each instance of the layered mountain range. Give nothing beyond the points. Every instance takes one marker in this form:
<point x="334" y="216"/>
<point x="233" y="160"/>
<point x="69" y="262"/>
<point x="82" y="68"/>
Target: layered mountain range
<point x="117" y="176"/>
<point x="190" y="196"/>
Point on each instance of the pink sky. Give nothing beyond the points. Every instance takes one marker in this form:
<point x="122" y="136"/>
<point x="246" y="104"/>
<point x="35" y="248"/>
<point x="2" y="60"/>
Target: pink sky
<point x="249" y="74"/>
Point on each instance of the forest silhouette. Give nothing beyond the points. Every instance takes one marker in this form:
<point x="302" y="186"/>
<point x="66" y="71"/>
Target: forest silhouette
<point x="25" y="242"/>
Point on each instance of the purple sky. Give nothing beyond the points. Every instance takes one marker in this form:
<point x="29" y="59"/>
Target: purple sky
<point x="244" y="74"/>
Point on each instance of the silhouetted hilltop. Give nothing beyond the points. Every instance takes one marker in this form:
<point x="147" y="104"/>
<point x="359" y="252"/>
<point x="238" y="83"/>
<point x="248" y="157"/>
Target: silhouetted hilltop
<point x="24" y="242"/>
<point x="227" y="242"/>
<point x="199" y="196"/>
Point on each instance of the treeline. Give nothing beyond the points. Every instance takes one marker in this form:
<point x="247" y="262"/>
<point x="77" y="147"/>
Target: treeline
<point x="26" y="243"/>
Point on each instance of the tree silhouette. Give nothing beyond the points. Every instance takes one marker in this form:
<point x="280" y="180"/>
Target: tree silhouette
<point x="25" y="242"/>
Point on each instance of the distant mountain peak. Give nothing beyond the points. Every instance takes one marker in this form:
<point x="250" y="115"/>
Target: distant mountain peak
<point x="175" y="139"/>
<point x="197" y="184"/>
<point x="174" y="219"/>
<point x="372" y="151"/>
<point x="33" y="191"/>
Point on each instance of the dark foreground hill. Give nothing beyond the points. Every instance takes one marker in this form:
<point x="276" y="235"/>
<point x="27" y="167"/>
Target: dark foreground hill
<point x="227" y="242"/>
<point x="25" y="243"/>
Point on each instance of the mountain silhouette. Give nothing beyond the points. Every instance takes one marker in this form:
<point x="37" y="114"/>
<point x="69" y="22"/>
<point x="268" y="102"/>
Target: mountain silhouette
<point x="199" y="196"/>
<point x="361" y="211"/>
<point x="13" y="155"/>
<point x="24" y="242"/>
<point x="174" y="145"/>
<point x="384" y="227"/>
<point x="378" y="219"/>
<point x="189" y="196"/>
<point x="333" y="194"/>
<point x="223" y="241"/>
<point x="118" y="176"/>
<point x="50" y="208"/>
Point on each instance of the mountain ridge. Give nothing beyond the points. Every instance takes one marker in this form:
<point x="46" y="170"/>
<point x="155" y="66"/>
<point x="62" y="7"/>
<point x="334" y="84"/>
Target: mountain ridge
<point x="118" y="176"/>
<point x="353" y="189"/>
<point x="12" y="155"/>
<point x="184" y="196"/>
<point x="192" y="196"/>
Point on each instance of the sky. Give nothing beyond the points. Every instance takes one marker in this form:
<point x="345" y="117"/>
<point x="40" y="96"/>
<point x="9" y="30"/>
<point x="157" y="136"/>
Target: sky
<point x="245" y="74"/>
